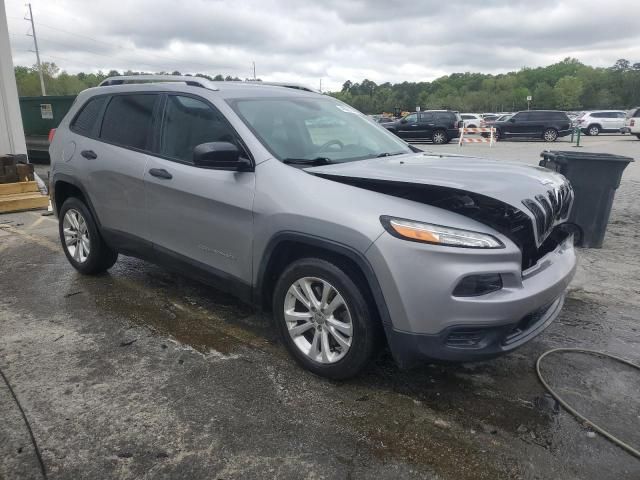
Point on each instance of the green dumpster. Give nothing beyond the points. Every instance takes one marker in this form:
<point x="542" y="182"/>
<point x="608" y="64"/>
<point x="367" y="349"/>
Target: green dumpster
<point x="39" y="116"/>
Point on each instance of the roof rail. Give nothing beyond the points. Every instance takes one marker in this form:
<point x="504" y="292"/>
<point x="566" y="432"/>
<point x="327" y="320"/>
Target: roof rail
<point x="296" y="86"/>
<point x="193" y="81"/>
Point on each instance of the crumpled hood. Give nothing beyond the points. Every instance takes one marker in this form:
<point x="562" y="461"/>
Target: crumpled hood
<point x="508" y="182"/>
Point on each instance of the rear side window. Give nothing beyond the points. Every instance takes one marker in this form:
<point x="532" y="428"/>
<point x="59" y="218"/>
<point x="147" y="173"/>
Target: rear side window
<point x="128" y="120"/>
<point x="188" y="122"/>
<point x="558" y="116"/>
<point x="86" y="120"/>
<point x="445" y="117"/>
<point x="426" y="117"/>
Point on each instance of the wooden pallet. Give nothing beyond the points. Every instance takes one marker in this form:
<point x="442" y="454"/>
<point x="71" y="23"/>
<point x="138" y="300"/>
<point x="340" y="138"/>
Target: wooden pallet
<point x="19" y="196"/>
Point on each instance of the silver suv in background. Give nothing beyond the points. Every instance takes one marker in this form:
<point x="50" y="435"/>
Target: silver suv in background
<point x="601" y="121"/>
<point x="299" y="204"/>
<point x="632" y="122"/>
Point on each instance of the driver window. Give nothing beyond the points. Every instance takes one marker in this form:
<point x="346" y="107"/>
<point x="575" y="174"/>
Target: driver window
<point x="188" y="122"/>
<point x="413" y="118"/>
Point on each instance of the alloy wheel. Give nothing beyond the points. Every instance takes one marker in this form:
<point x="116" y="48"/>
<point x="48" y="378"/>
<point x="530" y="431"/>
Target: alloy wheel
<point x="439" y="138"/>
<point x="76" y="235"/>
<point x="318" y="320"/>
<point x="594" y="131"/>
<point x="550" y="135"/>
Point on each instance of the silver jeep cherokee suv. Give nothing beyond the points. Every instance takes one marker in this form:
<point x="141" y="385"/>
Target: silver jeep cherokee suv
<point x="299" y="204"/>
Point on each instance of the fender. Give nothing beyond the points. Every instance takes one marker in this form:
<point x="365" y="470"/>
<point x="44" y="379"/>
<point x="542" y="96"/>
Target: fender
<point x="63" y="177"/>
<point x="357" y="257"/>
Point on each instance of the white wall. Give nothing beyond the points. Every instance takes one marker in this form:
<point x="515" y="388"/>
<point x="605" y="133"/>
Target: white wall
<point x="11" y="132"/>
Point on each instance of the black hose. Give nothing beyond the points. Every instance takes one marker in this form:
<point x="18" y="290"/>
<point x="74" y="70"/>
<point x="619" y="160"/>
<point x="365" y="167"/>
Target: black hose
<point x="575" y="413"/>
<point x="43" y="470"/>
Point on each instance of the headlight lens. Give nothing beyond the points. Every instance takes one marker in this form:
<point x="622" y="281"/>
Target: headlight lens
<point x="437" y="234"/>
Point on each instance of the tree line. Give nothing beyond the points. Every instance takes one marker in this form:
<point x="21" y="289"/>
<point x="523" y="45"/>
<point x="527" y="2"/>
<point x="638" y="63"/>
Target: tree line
<point x="58" y="82"/>
<point x="566" y="85"/>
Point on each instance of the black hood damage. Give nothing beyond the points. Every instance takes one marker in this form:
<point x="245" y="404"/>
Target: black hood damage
<point x="501" y="216"/>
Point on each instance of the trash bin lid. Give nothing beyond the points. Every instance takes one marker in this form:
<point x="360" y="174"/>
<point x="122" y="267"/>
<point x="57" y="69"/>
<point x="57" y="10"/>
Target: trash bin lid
<point x="564" y="155"/>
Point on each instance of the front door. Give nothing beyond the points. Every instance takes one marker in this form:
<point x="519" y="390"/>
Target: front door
<point x="408" y="127"/>
<point x="200" y="216"/>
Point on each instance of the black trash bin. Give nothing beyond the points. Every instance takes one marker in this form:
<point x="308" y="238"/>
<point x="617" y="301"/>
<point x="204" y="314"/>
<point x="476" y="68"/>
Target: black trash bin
<point x="595" y="178"/>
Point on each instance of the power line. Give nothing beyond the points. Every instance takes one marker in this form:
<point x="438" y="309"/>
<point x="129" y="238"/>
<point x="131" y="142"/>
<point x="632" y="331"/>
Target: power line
<point x="117" y="46"/>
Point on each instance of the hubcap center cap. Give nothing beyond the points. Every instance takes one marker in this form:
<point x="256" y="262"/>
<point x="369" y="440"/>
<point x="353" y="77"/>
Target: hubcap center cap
<point x="319" y="318"/>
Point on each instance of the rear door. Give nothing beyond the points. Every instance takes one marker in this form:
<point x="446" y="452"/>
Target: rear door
<point x="114" y="158"/>
<point x="426" y="121"/>
<point x="199" y="216"/>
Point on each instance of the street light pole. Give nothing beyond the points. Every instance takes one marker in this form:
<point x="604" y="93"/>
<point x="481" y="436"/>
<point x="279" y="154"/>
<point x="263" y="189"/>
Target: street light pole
<point x="35" y="42"/>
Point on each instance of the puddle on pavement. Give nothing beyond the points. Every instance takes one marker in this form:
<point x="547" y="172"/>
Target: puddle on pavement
<point x="192" y="313"/>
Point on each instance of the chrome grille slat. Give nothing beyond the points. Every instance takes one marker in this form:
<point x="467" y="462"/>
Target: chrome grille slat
<point x="550" y="209"/>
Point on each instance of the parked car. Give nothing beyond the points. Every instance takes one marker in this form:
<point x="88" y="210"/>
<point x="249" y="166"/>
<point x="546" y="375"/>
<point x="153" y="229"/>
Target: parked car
<point x="601" y="121"/>
<point x="472" y="120"/>
<point x="632" y="122"/>
<point x="437" y="126"/>
<point x="545" y="124"/>
<point x="348" y="235"/>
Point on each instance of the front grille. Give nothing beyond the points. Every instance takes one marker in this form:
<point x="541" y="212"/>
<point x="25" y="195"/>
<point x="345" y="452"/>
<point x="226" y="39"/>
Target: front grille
<point x="528" y="323"/>
<point x="465" y="337"/>
<point x="550" y="209"/>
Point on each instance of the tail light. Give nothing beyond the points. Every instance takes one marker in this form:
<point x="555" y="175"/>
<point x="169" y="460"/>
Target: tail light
<point x="52" y="134"/>
<point x="461" y="124"/>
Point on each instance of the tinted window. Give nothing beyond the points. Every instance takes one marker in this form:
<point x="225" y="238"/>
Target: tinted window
<point x="128" y="120"/>
<point x="412" y="118"/>
<point x="85" y="121"/>
<point x="540" y="115"/>
<point x="521" y="117"/>
<point x="445" y="117"/>
<point x="559" y="116"/>
<point x="188" y="122"/>
<point x="467" y="117"/>
<point x="620" y="115"/>
<point x="426" y="117"/>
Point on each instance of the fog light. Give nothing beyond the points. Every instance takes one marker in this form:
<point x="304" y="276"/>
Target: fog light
<point x="475" y="285"/>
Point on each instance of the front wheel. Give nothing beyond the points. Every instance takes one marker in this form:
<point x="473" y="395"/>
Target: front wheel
<point x="82" y="244"/>
<point x="593" y="130"/>
<point x="550" y="135"/>
<point x="324" y="319"/>
<point x="439" y="137"/>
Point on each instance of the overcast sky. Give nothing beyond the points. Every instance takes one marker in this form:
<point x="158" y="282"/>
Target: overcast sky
<point x="336" y="40"/>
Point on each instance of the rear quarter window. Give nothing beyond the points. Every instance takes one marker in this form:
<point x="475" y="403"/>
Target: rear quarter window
<point x="445" y="117"/>
<point x="85" y="121"/>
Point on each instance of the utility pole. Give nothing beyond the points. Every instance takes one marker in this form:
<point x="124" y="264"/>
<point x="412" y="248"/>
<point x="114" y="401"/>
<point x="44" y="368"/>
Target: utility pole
<point x="254" y="71"/>
<point x="35" y="42"/>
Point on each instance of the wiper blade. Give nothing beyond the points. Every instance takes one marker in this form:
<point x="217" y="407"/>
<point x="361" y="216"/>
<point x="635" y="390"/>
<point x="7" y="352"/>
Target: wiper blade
<point x="307" y="161"/>
<point x="387" y="154"/>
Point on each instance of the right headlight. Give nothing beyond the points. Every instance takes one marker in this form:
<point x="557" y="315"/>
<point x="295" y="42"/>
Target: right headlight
<point x="438" y="234"/>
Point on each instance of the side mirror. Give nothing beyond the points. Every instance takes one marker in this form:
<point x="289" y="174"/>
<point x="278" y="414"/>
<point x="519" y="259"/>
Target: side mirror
<point x="404" y="120"/>
<point x="222" y="155"/>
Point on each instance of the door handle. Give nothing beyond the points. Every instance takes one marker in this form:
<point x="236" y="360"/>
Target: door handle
<point x="89" y="154"/>
<point x="160" y="173"/>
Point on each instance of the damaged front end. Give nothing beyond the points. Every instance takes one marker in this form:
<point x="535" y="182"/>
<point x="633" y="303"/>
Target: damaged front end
<point x="537" y="228"/>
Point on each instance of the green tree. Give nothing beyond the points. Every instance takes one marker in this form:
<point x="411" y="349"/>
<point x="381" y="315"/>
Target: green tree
<point x="567" y="93"/>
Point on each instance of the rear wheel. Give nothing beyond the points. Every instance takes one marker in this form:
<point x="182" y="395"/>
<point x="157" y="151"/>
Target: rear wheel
<point x="82" y="244"/>
<point x="593" y="130"/>
<point x="439" y="137"/>
<point x="324" y="319"/>
<point x="550" y="135"/>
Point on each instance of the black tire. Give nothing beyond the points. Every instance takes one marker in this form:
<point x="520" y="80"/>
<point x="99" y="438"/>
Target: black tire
<point x="638" y="135"/>
<point x="439" y="137"/>
<point x="366" y="326"/>
<point x="550" y="135"/>
<point x="593" y="130"/>
<point x="100" y="257"/>
<point x="496" y="135"/>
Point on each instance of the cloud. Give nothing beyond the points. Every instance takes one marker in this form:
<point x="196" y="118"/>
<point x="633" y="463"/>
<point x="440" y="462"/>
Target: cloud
<point x="383" y="40"/>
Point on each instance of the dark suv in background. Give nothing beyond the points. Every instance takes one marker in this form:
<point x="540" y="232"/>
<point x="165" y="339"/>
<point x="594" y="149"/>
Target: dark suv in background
<point x="545" y="124"/>
<point x="437" y="126"/>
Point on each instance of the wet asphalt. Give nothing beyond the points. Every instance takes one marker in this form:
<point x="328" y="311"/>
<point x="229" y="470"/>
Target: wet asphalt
<point x="142" y="373"/>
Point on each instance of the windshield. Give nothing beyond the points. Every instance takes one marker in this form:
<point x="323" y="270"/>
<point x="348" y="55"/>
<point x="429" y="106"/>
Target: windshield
<point x="294" y="128"/>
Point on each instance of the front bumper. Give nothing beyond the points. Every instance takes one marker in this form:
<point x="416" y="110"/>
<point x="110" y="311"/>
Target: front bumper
<point x="428" y="322"/>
